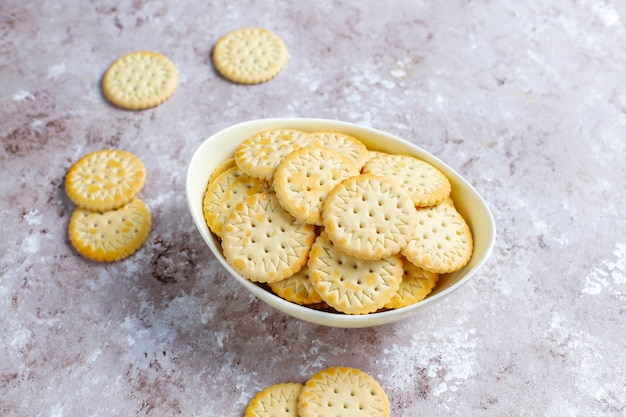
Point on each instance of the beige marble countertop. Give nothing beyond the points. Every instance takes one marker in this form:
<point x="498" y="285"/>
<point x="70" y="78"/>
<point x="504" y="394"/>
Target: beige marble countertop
<point x="525" y="99"/>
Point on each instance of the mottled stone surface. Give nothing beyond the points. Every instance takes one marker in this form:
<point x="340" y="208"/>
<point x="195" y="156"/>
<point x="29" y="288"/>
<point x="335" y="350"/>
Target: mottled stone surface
<point x="526" y="99"/>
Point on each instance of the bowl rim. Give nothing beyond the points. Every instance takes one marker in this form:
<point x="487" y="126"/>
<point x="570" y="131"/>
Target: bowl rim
<point x="306" y="313"/>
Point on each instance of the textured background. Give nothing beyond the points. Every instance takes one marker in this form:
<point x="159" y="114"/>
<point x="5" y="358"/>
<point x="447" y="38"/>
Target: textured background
<point x="525" y="99"/>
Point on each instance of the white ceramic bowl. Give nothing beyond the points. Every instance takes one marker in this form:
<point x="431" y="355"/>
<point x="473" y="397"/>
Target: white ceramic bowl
<point x="469" y="203"/>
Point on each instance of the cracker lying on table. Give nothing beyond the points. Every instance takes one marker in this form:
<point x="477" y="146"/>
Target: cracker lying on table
<point x="263" y="242"/>
<point x="250" y="55"/>
<point x="279" y="400"/>
<point x="111" y="235"/>
<point x="105" y="179"/>
<point x="343" y="391"/>
<point x="140" y="80"/>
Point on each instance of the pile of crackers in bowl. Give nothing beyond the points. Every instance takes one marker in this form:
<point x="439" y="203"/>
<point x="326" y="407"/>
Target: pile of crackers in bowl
<point x="335" y="223"/>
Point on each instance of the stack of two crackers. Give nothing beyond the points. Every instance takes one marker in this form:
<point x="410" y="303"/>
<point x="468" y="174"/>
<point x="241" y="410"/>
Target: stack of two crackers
<point x="322" y="220"/>
<point x="109" y="222"/>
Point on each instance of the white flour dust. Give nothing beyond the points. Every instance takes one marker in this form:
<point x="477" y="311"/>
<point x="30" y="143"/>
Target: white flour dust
<point x="610" y="275"/>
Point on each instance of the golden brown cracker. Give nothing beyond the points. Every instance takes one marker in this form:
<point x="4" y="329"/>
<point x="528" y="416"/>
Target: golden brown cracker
<point x="260" y="154"/>
<point x="304" y="178"/>
<point x="111" y="235"/>
<point x="370" y="217"/>
<point x="341" y="391"/>
<point x="349" y="284"/>
<point x="250" y="55"/>
<point x="105" y="179"/>
<point x="140" y="80"/>
<point x="263" y="242"/>
<point x="442" y="242"/>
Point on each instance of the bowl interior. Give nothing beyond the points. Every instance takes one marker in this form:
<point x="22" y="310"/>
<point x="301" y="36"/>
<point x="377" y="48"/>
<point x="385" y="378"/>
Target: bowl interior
<point x="214" y="150"/>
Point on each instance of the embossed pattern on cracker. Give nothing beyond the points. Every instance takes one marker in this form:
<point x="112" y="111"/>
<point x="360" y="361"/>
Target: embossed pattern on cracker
<point x="348" y="145"/>
<point x="369" y="217"/>
<point x="260" y="154"/>
<point x="140" y="80"/>
<point x="263" y="242"/>
<point x="224" y="192"/>
<point x="229" y="163"/>
<point x="111" y="235"/>
<point x="343" y="392"/>
<point x="425" y="184"/>
<point x="415" y="286"/>
<point x="279" y="400"/>
<point x="442" y="243"/>
<point x="349" y="284"/>
<point x="305" y="177"/>
<point x="297" y="288"/>
<point x="250" y="55"/>
<point x="105" y="179"/>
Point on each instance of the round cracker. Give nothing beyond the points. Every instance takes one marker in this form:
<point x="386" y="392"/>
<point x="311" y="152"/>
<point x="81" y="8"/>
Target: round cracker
<point x="369" y="217"/>
<point x="425" y="184"/>
<point x="352" y="285"/>
<point x="263" y="242"/>
<point x="275" y="400"/>
<point x="140" y="80"/>
<point x="111" y="235"/>
<point x="105" y="179"/>
<point x="260" y="154"/>
<point x="250" y="55"/>
<point x="443" y="241"/>
<point x="341" y="391"/>
<point x="305" y="177"/>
